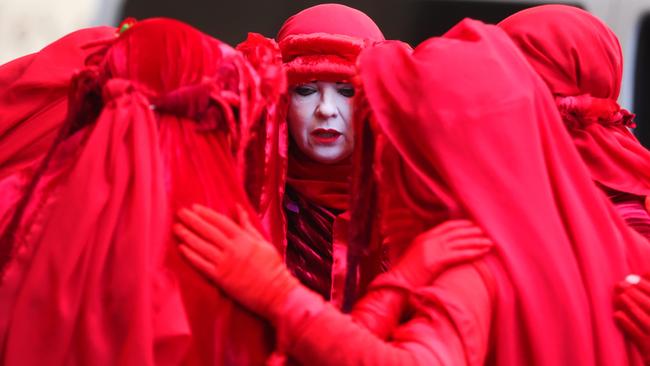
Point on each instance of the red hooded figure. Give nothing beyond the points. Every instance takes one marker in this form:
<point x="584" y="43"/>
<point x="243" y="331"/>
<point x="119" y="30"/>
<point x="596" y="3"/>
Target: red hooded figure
<point x="161" y="117"/>
<point x="580" y="59"/>
<point x="498" y="154"/>
<point x="321" y="44"/>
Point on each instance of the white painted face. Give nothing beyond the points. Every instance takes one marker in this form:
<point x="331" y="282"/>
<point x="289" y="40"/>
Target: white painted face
<point x="320" y="120"/>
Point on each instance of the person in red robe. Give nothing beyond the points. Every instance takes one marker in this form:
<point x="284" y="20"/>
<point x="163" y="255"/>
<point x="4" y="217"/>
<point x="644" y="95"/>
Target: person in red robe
<point x="580" y="59"/>
<point x="465" y="129"/>
<point x="160" y="116"/>
<point x="319" y="47"/>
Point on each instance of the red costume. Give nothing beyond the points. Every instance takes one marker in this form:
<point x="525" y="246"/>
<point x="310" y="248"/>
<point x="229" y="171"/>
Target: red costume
<point x="321" y="43"/>
<point x="161" y="117"/>
<point x="580" y="60"/>
<point x="482" y="141"/>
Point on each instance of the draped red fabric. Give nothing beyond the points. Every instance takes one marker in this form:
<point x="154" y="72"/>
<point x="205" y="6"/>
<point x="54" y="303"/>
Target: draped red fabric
<point x="497" y="153"/>
<point x="95" y="277"/>
<point x="33" y="96"/>
<point x="266" y="153"/>
<point x="579" y="57"/>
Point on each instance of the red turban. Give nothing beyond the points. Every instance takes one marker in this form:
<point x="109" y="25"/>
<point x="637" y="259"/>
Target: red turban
<point x="323" y="42"/>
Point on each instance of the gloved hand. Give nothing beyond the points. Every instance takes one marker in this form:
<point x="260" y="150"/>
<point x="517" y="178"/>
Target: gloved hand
<point x="632" y="304"/>
<point x="428" y="255"/>
<point x="236" y="257"/>
<point x="432" y="252"/>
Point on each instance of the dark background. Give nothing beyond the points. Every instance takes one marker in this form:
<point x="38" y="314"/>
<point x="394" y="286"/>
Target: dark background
<point x="411" y="21"/>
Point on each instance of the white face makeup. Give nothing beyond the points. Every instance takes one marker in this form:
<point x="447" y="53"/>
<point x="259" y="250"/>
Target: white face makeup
<point x="320" y="120"/>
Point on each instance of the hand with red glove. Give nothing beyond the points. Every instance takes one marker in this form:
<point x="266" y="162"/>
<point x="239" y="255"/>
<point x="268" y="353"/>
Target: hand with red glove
<point x="236" y="257"/>
<point x="432" y="252"/>
<point x="632" y="304"/>
<point x="429" y="254"/>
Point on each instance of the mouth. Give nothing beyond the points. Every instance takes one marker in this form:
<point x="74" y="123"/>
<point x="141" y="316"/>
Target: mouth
<point x="325" y="136"/>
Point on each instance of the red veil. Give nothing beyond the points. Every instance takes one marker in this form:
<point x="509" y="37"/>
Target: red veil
<point x="33" y="96"/>
<point x="580" y="60"/>
<point x="487" y="143"/>
<point x="163" y="117"/>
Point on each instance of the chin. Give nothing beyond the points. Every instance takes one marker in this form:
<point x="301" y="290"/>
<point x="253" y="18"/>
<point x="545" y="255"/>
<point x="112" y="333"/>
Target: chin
<point x="330" y="157"/>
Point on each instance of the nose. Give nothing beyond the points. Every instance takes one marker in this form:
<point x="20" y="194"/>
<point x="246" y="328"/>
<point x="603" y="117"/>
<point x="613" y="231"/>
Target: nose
<point x="326" y="106"/>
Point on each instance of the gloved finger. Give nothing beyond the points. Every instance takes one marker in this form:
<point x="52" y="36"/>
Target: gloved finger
<point x="640" y="298"/>
<point x="470" y="252"/>
<point x="453" y="233"/>
<point x="470" y="243"/>
<point x="228" y="226"/>
<point x="461" y="249"/>
<point x="630" y="307"/>
<point x="444" y="227"/>
<point x="245" y="222"/>
<point x="621" y="286"/>
<point x="203" y="228"/>
<point x="462" y="233"/>
<point x="451" y="225"/>
<point x="467" y="253"/>
<point x="629" y="327"/>
<point x="630" y="280"/>
<point x="199" y="262"/>
<point x="644" y="286"/>
<point x="199" y="245"/>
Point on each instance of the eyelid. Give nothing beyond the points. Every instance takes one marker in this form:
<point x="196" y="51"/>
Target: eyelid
<point x="305" y="86"/>
<point x="346" y="91"/>
<point x="304" y="90"/>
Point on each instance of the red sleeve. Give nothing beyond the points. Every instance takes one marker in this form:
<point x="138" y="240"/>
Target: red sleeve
<point x="449" y="327"/>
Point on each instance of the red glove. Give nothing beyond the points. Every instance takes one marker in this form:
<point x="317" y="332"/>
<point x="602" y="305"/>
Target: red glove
<point x="428" y="255"/>
<point x="632" y="303"/>
<point x="432" y="252"/>
<point x="236" y="257"/>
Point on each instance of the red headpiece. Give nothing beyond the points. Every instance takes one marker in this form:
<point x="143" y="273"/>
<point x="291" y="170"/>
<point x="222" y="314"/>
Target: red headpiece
<point x="580" y="60"/>
<point x="323" y="42"/>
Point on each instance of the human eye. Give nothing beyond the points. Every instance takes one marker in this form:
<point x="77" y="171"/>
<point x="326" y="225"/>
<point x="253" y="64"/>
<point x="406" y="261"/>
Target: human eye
<point x="304" y="90"/>
<point x="346" y="90"/>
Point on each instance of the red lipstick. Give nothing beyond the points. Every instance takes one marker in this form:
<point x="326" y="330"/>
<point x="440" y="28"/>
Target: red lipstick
<point x="325" y="136"/>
